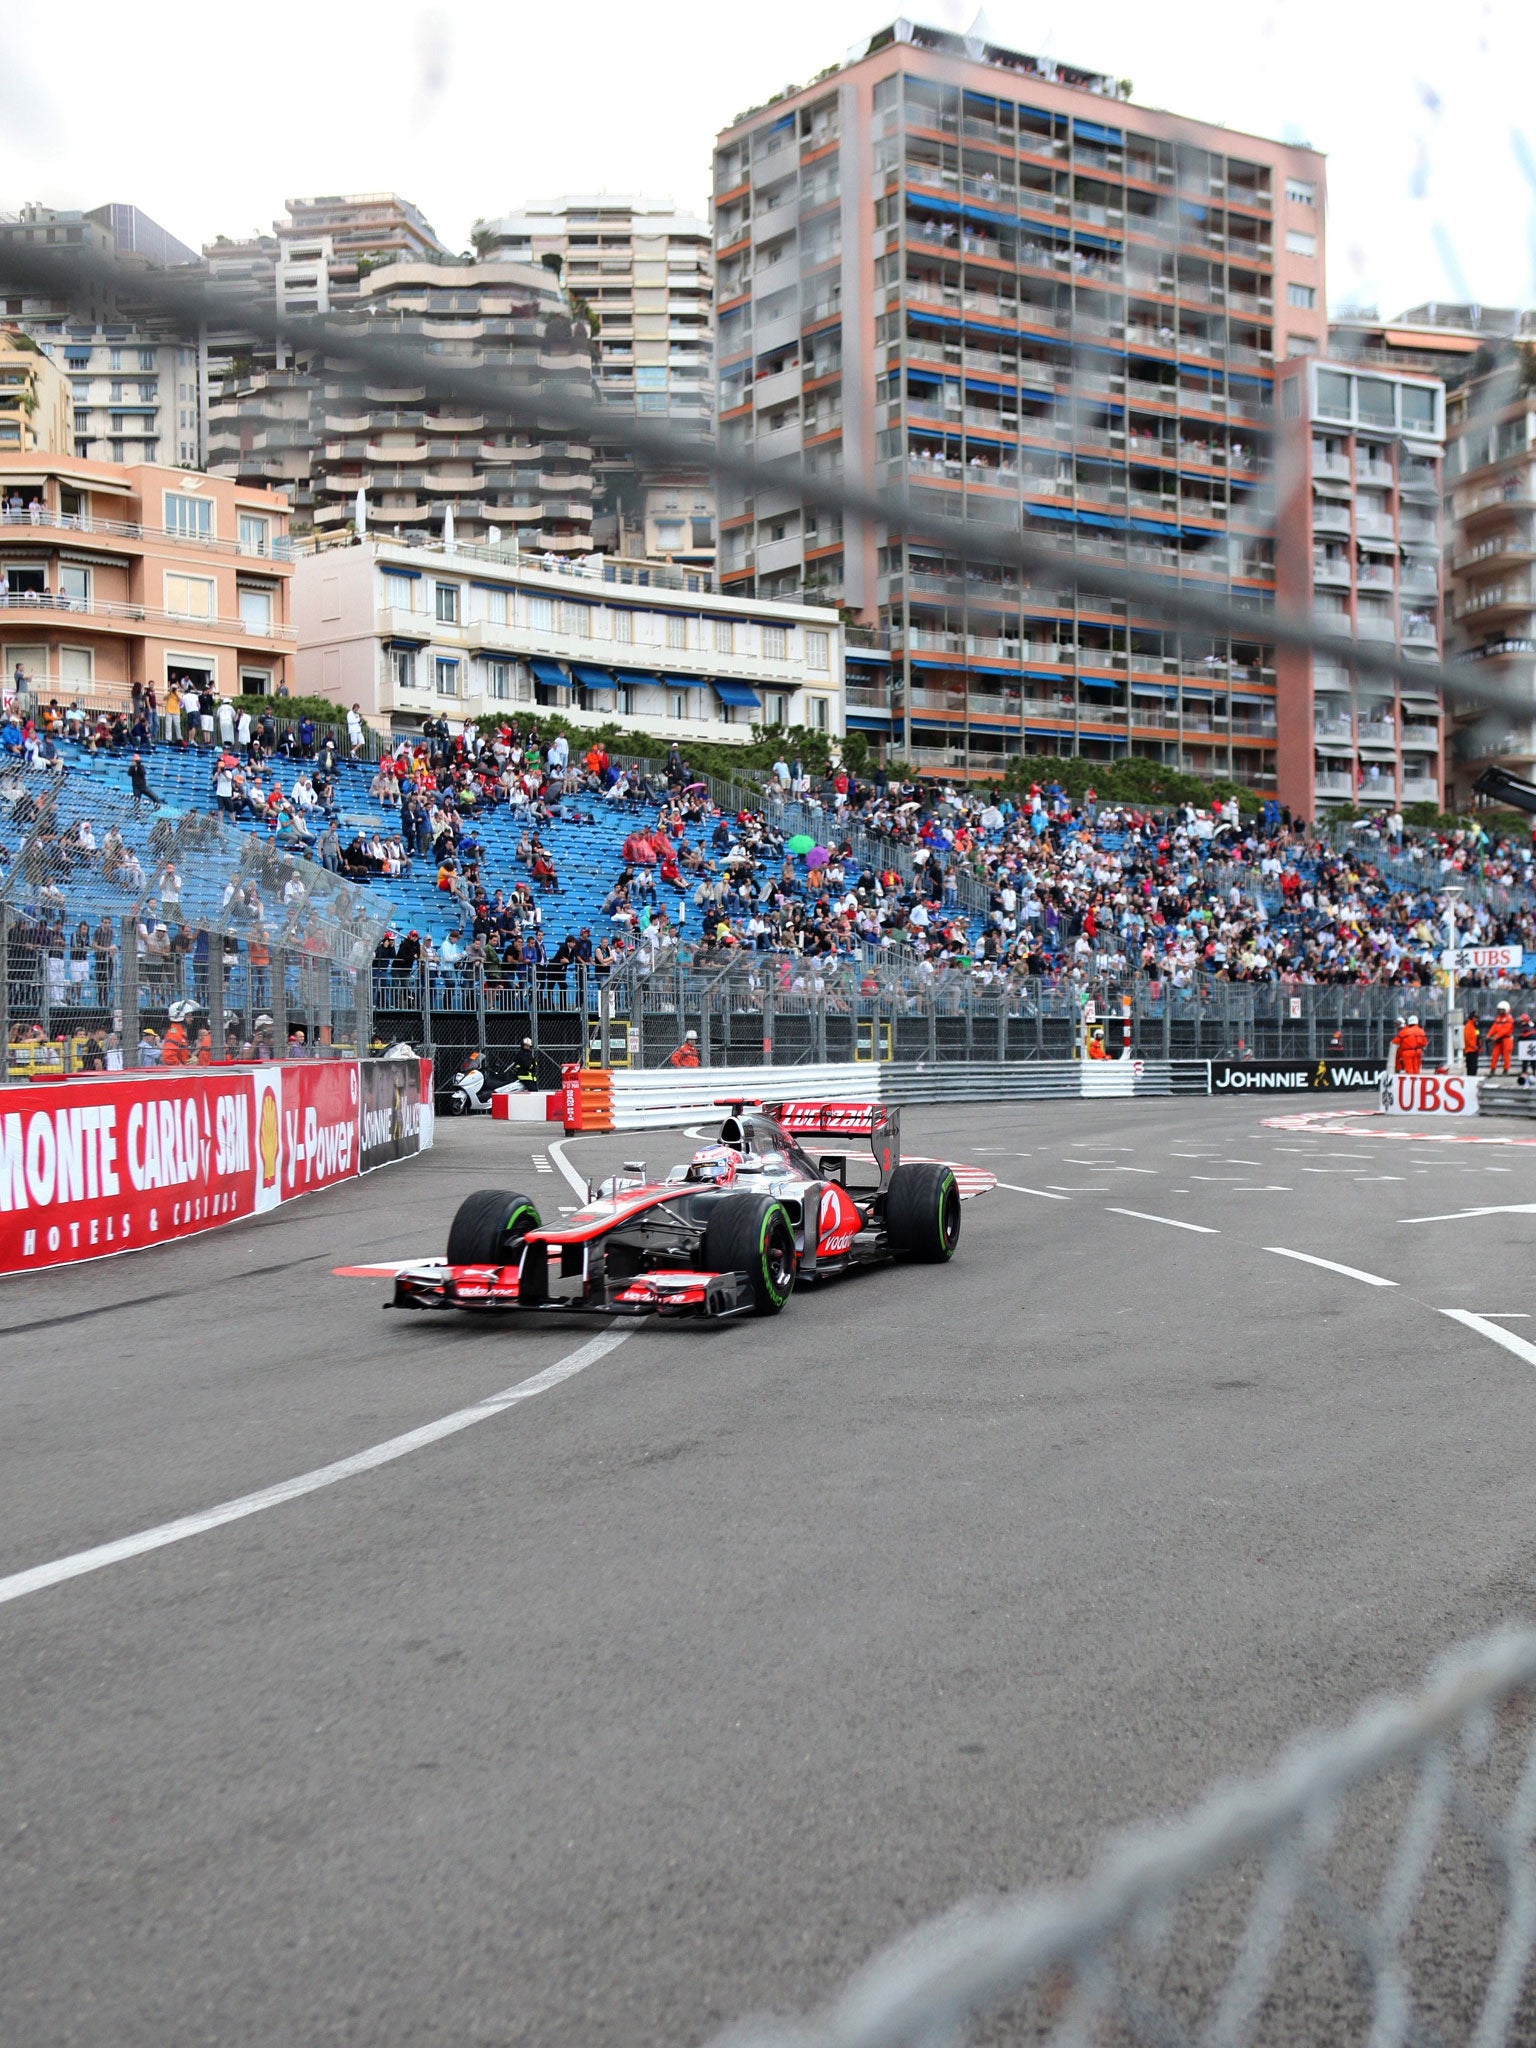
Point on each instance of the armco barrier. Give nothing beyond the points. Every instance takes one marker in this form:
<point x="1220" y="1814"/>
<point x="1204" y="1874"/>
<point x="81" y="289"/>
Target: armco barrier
<point x="113" y="1163"/>
<point x="654" y="1098"/>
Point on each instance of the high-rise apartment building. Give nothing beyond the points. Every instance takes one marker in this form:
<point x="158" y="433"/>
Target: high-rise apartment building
<point x="645" y="273"/>
<point x="991" y="281"/>
<point x="37" y="413"/>
<point x="319" y="253"/>
<point x="138" y="384"/>
<point x="322" y="430"/>
<point x="1491" y="580"/>
<point x="1358" y="457"/>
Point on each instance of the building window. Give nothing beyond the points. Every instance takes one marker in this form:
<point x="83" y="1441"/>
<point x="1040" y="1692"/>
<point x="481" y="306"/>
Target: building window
<point x="776" y="708"/>
<point x="541" y="615"/>
<point x="775" y="643"/>
<point x="1301" y="295"/>
<point x="574" y="620"/>
<point x="119" y="451"/>
<point x="624" y="627"/>
<point x="1300" y="193"/>
<point x="1290" y="399"/>
<point x="146" y="359"/>
<point x="402" y="667"/>
<point x="398" y="591"/>
<point x="817" y="646"/>
<point x="447" y="607"/>
<point x="1300" y="244"/>
<point x="816" y="713"/>
<point x="146" y="394"/>
<point x="75" y="666"/>
<point x="255" y="682"/>
<point x="190" y="597"/>
<point x="1418" y="408"/>
<point x="115" y="359"/>
<point x="499" y="680"/>
<point x="74" y="586"/>
<point x="447" y="670"/>
<point x="725" y="637"/>
<point x="1333" y="394"/>
<point x="188" y="518"/>
<point x="495" y="606"/>
<point x="677" y="703"/>
<point x="253" y="531"/>
<point x="677" y="630"/>
<point x="256" y="611"/>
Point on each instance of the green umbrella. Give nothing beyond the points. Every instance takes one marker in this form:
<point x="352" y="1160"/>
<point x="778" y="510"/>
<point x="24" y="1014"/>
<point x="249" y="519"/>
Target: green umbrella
<point x="801" y="843"/>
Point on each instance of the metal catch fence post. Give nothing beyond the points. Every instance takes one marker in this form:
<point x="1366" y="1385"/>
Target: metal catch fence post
<point x="216" y="994"/>
<point x="279" y="974"/>
<point x="128" y="955"/>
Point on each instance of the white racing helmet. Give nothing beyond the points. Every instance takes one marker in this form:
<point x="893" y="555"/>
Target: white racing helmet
<point x="716" y="1165"/>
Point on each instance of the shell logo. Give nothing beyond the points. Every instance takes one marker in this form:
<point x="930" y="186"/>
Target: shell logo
<point x="267" y="1139"/>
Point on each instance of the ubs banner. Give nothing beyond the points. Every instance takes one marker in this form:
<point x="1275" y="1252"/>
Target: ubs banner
<point x="396" y="1110"/>
<point x="113" y="1163"/>
<point x="1293" y="1077"/>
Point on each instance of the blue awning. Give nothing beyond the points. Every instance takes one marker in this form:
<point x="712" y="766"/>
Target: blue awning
<point x="1090" y="131"/>
<point x="1099" y="682"/>
<point x="394" y="569"/>
<point x="641" y="676"/>
<point x="870" y="721"/>
<point x="409" y="637"/>
<point x="591" y="678"/>
<point x="77" y="358"/>
<point x="550" y="674"/>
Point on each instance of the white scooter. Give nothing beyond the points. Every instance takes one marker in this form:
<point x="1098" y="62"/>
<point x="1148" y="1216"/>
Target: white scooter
<point x="469" y="1092"/>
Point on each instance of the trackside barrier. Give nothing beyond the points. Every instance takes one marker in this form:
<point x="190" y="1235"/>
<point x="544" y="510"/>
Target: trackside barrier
<point x="1375" y="1888"/>
<point x="1505" y="1098"/>
<point x="1429" y="1095"/>
<point x="117" y="1162"/>
<point x="650" y="1098"/>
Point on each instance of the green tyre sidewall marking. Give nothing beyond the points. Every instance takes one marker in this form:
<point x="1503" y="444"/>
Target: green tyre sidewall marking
<point x="771" y="1217"/>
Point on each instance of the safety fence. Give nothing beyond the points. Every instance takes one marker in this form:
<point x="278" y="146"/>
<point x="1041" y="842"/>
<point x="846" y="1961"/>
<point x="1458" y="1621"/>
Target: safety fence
<point x="1377" y="1886"/>
<point x="113" y="911"/>
<point x="639" y="1100"/>
<point x="768" y="1010"/>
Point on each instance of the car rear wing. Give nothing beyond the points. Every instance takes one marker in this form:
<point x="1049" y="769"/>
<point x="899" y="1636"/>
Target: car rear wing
<point x="880" y="1122"/>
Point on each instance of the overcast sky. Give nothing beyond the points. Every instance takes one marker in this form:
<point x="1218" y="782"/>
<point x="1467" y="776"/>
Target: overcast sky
<point x="208" y="118"/>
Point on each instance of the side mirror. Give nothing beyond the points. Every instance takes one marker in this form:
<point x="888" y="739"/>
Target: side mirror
<point x="833" y="1166"/>
<point x="635" y="1166"/>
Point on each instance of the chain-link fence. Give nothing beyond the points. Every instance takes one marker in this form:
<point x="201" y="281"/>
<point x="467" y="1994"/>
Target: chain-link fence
<point x="1377" y="1886"/>
<point x="766" y="1009"/>
<point x="115" y="911"/>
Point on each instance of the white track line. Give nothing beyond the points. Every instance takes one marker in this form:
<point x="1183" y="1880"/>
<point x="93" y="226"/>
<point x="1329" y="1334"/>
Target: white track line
<point x="557" y="1153"/>
<point x="41" y="1576"/>
<point x="1044" y="1193"/>
<point x="1456" y="1215"/>
<point x="1331" y="1266"/>
<point x="1481" y="1324"/>
<point x="1173" y="1222"/>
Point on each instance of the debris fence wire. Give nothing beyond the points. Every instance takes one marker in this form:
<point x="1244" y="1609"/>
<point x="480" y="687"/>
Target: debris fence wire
<point x="1376" y="1886"/>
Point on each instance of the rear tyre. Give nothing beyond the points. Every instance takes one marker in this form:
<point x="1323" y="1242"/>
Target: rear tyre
<point x="489" y="1228"/>
<point x="752" y="1234"/>
<point x="922" y="1213"/>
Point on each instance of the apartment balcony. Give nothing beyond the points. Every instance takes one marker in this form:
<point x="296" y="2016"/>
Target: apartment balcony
<point x="1330" y="518"/>
<point x="1506" y="597"/>
<point x="777" y="389"/>
<point x="781" y="441"/>
<point x="1333" y="571"/>
<point x="1417" y="734"/>
<point x="1377" y="524"/>
<point x="1375" y="576"/>
<point x="776" y="221"/>
<point x="1327" y="675"/>
<point x="1416" y="534"/>
<point x="565" y="480"/>
<point x="776" y="555"/>
<point x="1340" y="729"/>
<point x="1369" y="627"/>
<point x="1420" y="633"/>
<point x="1420" y="789"/>
<point x="392" y="458"/>
<point x="1326" y="783"/>
<point x="1373" y="473"/>
<point x="773" y="277"/>
<point x="1336" y="466"/>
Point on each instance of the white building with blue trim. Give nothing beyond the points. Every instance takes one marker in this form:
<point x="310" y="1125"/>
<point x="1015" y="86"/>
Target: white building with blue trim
<point x="409" y="633"/>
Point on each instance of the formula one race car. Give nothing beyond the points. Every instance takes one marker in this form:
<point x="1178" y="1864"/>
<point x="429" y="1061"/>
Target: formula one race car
<point x="728" y="1234"/>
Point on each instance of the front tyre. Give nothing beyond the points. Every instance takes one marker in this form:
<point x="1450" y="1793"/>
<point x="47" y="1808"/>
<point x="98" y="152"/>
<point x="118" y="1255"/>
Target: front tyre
<point x="752" y="1234"/>
<point x="489" y="1228"/>
<point x="922" y="1213"/>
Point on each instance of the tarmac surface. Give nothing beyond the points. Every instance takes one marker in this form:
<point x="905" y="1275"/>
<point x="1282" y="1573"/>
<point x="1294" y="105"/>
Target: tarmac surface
<point x="671" y="1690"/>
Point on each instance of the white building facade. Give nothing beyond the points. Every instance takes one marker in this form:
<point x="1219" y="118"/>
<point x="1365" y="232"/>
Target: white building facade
<point x="410" y="633"/>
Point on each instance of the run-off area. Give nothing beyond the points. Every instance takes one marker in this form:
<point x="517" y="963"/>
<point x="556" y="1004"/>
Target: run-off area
<point x="670" y="1692"/>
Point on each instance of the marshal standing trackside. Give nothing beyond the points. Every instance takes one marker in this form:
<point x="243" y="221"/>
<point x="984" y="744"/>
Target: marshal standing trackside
<point x="728" y="1234"/>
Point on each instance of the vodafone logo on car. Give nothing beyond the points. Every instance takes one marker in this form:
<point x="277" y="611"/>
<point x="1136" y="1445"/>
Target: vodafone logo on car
<point x="837" y="1222"/>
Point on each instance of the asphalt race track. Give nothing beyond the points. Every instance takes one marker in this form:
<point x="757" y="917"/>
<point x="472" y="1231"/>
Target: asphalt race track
<point x="670" y="1691"/>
